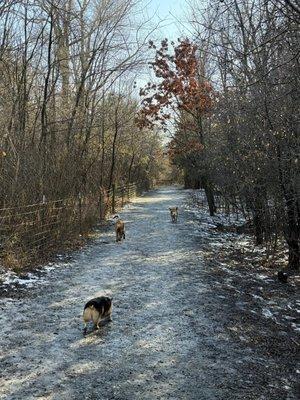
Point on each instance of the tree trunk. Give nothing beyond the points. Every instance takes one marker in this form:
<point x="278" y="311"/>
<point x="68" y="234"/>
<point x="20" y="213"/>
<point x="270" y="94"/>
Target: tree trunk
<point x="292" y="234"/>
<point x="130" y="168"/>
<point x="258" y="227"/>
<point x="259" y="210"/>
<point x="209" y="196"/>
<point x="294" y="253"/>
<point x="113" y="156"/>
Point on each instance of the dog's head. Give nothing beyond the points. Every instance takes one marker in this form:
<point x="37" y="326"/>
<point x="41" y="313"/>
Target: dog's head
<point x="115" y="217"/>
<point x="173" y="210"/>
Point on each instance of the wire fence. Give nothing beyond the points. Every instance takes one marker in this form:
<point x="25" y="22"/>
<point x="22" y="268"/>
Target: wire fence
<point x="32" y="233"/>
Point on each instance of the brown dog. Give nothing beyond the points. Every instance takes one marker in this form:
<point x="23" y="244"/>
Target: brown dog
<point x="174" y="213"/>
<point x="119" y="228"/>
<point x="96" y="310"/>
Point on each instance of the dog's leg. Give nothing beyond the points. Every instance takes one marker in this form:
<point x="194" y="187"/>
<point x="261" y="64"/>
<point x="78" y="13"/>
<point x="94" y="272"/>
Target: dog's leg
<point x="119" y="236"/>
<point x="85" y="328"/>
<point x="109" y="317"/>
<point x="95" y="317"/>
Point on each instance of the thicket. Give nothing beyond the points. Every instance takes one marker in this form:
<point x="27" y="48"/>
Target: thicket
<point x="67" y="105"/>
<point x="233" y="90"/>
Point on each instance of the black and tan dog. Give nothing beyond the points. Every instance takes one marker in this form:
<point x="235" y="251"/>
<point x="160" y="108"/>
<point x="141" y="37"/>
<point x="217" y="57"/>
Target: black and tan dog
<point x="174" y="213"/>
<point x="97" y="309"/>
<point x="119" y="228"/>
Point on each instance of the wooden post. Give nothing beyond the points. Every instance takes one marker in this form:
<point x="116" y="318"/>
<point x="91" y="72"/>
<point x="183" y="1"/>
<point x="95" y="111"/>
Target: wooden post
<point x="43" y="221"/>
<point x="113" y="205"/>
<point x="43" y="210"/>
<point x="128" y="191"/>
<point x="100" y="204"/>
<point x="122" y="194"/>
<point x="80" y="212"/>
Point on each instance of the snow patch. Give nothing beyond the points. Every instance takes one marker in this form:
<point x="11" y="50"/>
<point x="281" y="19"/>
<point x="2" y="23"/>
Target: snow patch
<point x="267" y="313"/>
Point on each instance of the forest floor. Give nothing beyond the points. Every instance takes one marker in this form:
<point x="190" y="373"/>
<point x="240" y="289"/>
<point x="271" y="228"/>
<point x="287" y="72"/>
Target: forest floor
<point x="193" y="317"/>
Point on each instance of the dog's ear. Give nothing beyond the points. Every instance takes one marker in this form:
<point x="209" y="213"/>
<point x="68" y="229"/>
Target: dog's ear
<point x="176" y="208"/>
<point x="170" y="208"/>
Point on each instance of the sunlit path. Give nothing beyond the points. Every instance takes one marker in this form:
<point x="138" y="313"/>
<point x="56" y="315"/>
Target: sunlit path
<point x="168" y="338"/>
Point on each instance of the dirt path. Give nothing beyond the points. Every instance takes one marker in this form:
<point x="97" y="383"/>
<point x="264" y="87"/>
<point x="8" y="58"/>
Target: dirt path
<point x="169" y="338"/>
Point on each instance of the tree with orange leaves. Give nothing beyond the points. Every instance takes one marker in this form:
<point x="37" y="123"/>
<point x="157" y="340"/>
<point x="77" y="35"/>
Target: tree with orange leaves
<point x="183" y="94"/>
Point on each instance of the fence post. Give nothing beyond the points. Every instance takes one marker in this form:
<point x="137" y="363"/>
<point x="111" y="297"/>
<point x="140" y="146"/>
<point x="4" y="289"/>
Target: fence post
<point x="100" y="204"/>
<point x="43" y="221"/>
<point x="128" y="191"/>
<point x="43" y="214"/>
<point x="122" y="194"/>
<point x="113" y="205"/>
<point x="80" y="212"/>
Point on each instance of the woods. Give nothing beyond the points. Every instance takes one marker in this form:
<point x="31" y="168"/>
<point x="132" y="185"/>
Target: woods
<point x="236" y="107"/>
<point x="227" y="96"/>
<point x="67" y="73"/>
<point x="149" y="199"/>
<point x="67" y="104"/>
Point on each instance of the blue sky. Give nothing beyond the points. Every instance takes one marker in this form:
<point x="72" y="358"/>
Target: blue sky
<point x="171" y="13"/>
<point x="171" y="16"/>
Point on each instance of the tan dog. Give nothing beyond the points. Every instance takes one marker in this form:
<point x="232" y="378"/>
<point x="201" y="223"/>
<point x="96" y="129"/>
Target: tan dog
<point x="174" y="213"/>
<point x="119" y="228"/>
<point x="96" y="310"/>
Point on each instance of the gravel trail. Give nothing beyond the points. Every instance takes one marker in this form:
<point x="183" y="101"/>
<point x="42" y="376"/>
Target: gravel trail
<point x="170" y="336"/>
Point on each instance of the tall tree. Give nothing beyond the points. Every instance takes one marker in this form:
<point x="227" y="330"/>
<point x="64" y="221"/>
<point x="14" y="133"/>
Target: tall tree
<point x="183" y="93"/>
